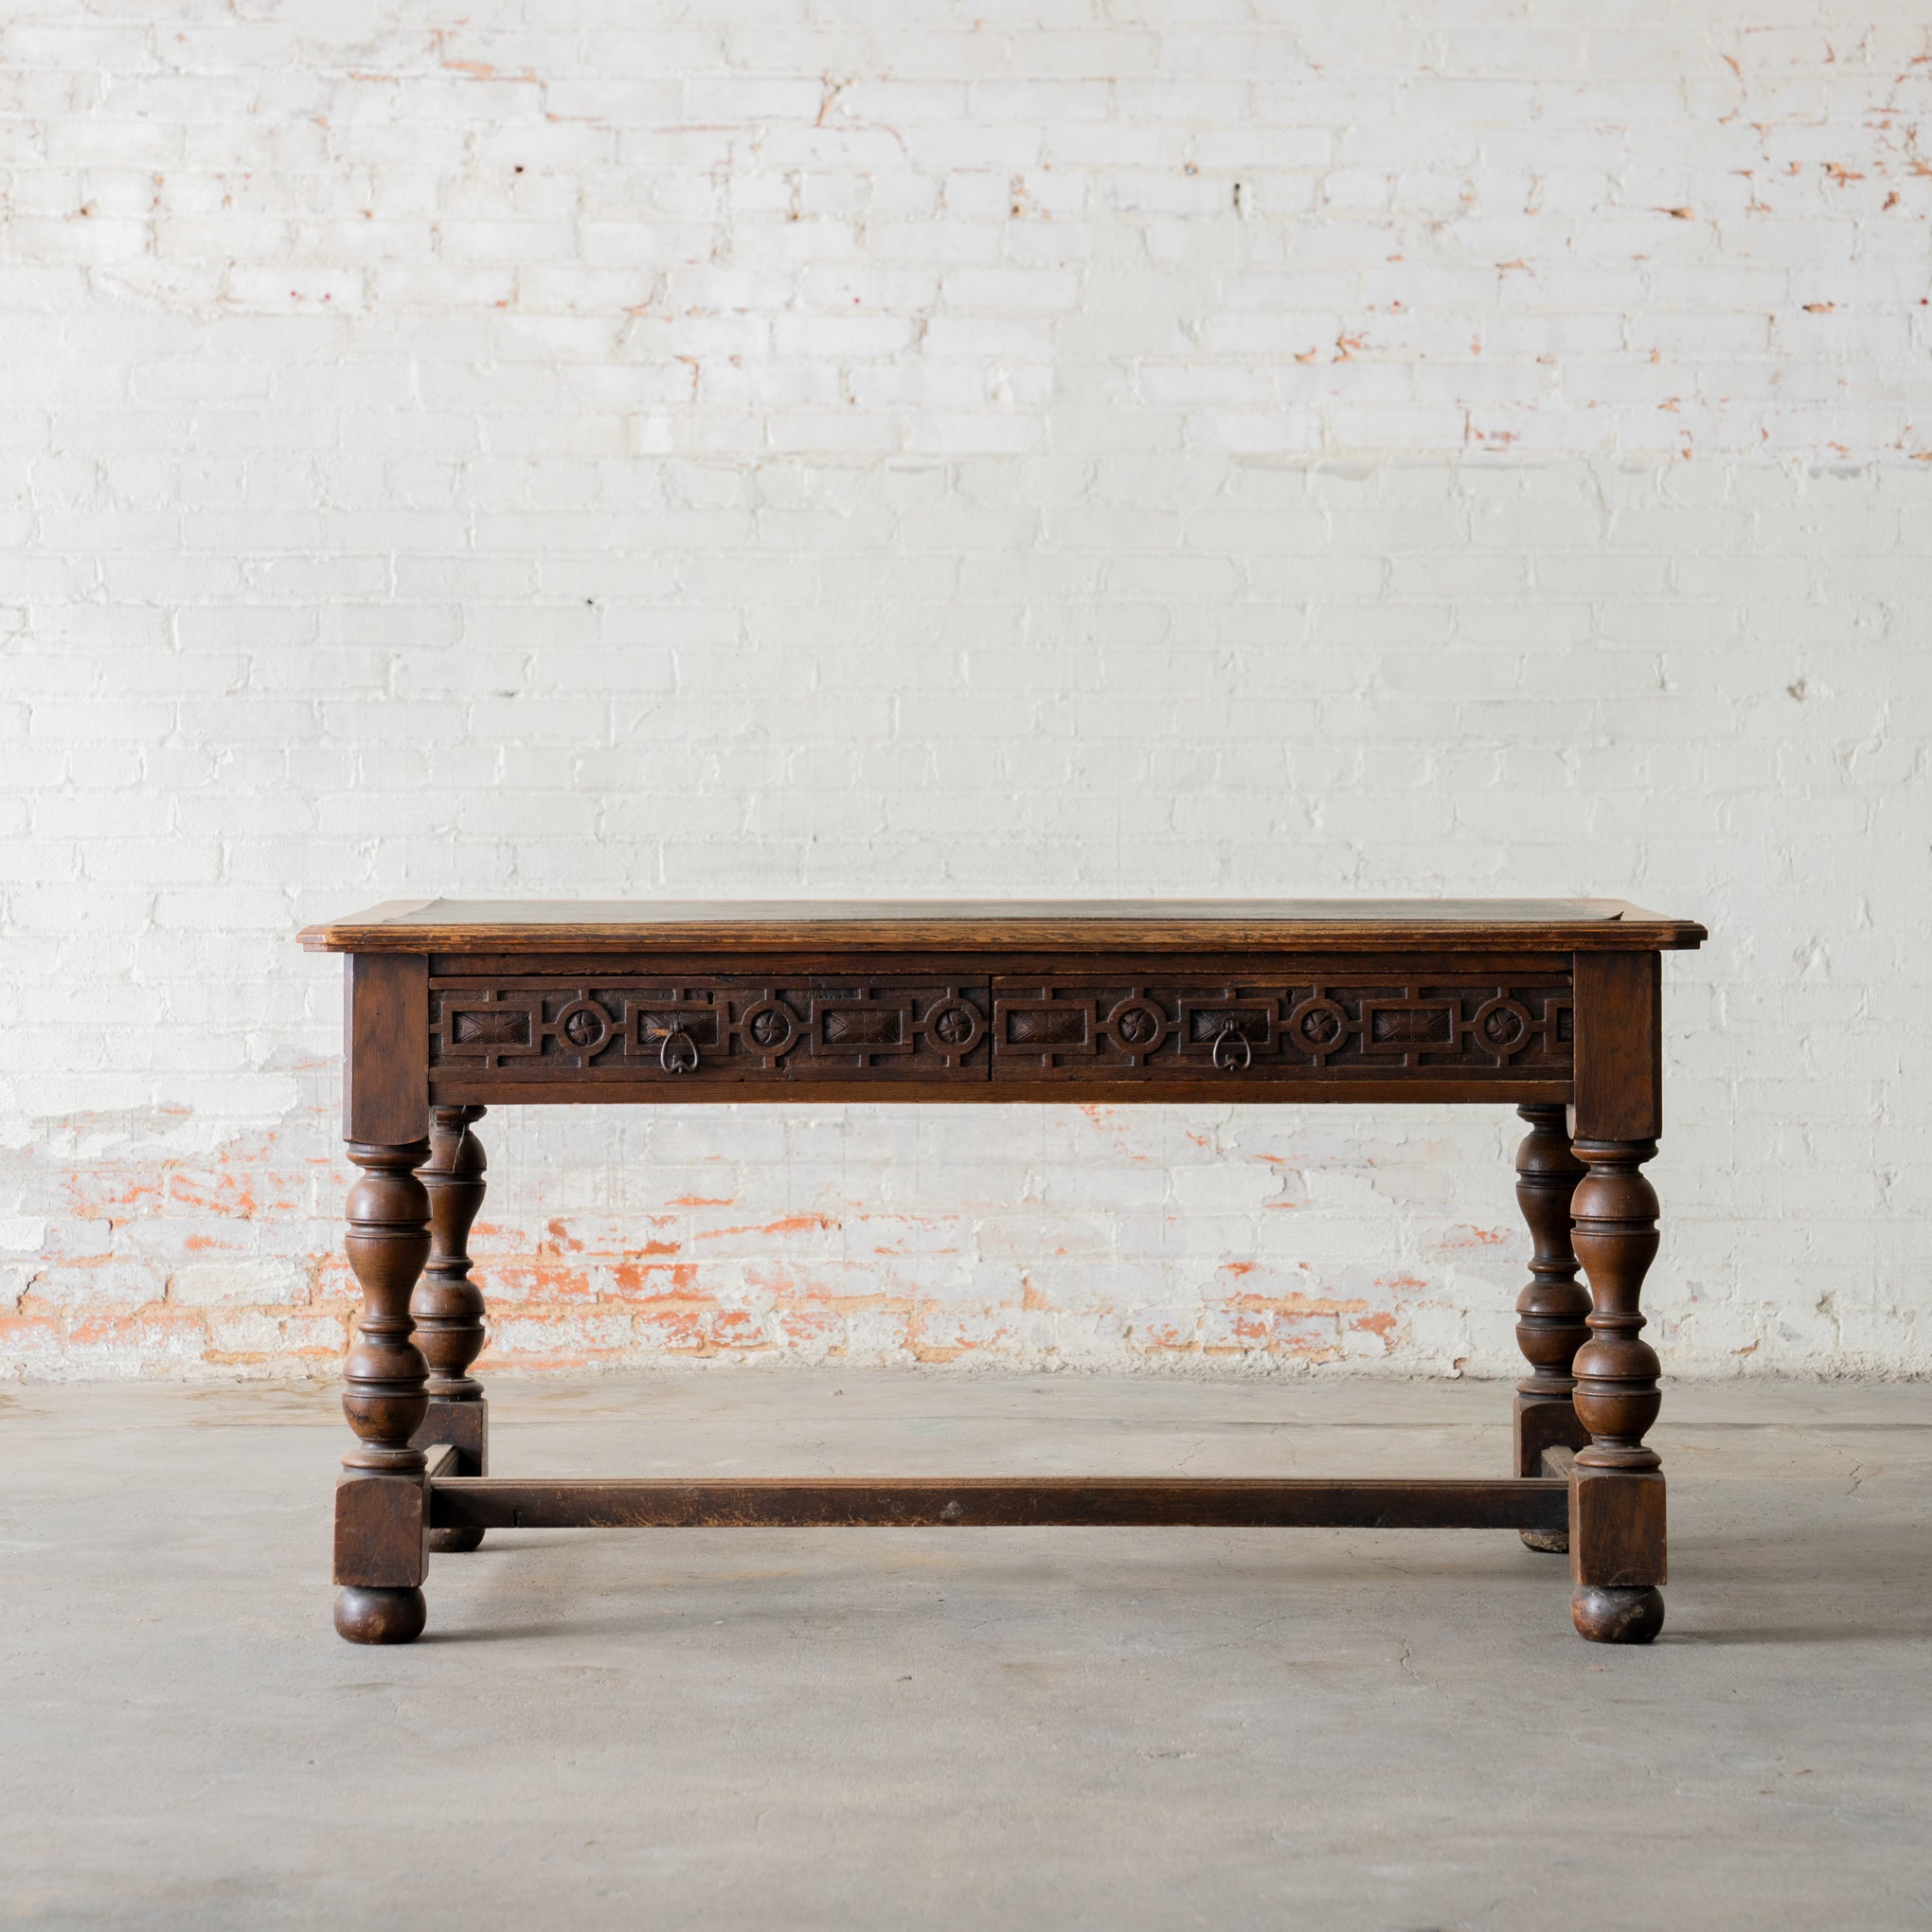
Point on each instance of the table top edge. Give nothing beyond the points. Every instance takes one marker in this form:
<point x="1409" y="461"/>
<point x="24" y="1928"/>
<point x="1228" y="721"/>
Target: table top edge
<point x="433" y="925"/>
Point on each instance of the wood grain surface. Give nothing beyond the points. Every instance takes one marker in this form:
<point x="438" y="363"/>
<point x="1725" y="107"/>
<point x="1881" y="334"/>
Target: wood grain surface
<point x="938" y="1501"/>
<point x="1567" y="925"/>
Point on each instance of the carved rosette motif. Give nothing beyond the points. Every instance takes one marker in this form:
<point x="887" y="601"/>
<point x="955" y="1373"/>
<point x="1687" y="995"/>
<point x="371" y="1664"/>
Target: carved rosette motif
<point x="627" y="1027"/>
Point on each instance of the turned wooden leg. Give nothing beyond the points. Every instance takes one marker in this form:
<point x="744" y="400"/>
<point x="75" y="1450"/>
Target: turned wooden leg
<point x="448" y="1306"/>
<point x="1550" y="1309"/>
<point x="1617" y="1487"/>
<point x="380" y="1502"/>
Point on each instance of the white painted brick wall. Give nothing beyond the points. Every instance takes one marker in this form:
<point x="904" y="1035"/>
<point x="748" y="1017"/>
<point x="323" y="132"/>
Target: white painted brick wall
<point x="826" y="446"/>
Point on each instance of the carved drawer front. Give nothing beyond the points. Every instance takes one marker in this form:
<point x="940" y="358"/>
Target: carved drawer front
<point x="1246" y="1031"/>
<point x="725" y="1027"/>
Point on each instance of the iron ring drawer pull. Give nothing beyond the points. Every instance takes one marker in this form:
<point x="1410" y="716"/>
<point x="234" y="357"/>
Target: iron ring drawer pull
<point x="1231" y="1036"/>
<point x="679" y="1053"/>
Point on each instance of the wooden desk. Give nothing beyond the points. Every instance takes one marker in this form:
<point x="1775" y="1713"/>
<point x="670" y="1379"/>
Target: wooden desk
<point x="1550" y="1006"/>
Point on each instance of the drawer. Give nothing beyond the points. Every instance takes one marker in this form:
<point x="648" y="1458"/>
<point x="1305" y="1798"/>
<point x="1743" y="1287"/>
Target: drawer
<point x="1247" y="1031"/>
<point x="702" y="1029"/>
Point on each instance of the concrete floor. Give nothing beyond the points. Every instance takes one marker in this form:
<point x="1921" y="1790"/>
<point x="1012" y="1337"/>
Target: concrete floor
<point x="999" y="1728"/>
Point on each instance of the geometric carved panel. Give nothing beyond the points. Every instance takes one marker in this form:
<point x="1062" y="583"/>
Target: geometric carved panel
<point x="714" y="1027"/>
<point x="1068" y="1029"/>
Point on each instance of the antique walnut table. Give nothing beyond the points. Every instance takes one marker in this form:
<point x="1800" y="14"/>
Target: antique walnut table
<point x="1550" y="1006"/>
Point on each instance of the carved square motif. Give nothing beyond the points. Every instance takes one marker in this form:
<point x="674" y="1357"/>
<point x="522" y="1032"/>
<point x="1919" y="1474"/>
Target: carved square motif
<point x="486" y="1032"/>
<point x="1042" y="1032"/>
<point x="1048" y="1026"/>
<point x="497" y="1026"/>
<point x="1407" y="1025"/>
<point x="872" y="1027"/>
<point x="1206" y="1019"/>
<point x="654" y="1023"/>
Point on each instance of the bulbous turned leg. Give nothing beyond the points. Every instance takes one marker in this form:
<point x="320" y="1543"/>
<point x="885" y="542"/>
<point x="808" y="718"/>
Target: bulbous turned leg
<point x="448" y="1306"/>
<point x="1551" y="1308"/>
<point x="381" y="1499"/>
<point x="1617" y="1487"/>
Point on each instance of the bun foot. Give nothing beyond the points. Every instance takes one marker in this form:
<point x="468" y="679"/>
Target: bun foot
<point x="1607" y="1614"/>
<point x="1556" y="1541"/>
<point x="451" y="1542"/>
<point x="380" y="1615"/>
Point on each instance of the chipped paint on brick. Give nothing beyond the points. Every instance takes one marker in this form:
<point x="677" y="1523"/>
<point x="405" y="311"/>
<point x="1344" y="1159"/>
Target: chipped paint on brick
<point x="227" y="1259"/>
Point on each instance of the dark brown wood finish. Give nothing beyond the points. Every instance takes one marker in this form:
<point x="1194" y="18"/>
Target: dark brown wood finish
<point x="380" y="1502"/>
<point x="1443" y="1088"/>
<point x="694" y="1029"/>
<point x="1619" y="1069"/>
<point x="385" y="1068"/>
<point x="939" y="1502"/>
<point x="1472" y="1027"/>
<point x="1550" y="1309"/>
<point x="1246" y="1030"/>
<point x="448" y="1305"/>
<point x="1545" y="1005"/>
<point x="1617" y="1518"/>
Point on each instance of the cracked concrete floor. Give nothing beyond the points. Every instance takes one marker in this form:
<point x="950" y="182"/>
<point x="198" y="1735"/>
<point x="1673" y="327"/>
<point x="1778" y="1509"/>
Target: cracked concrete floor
<point x="985" y="1727"/>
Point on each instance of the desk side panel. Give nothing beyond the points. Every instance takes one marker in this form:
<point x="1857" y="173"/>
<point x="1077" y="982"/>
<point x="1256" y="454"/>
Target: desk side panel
<point x="385" y="1048"/>
<point x="1619" y="1069"/>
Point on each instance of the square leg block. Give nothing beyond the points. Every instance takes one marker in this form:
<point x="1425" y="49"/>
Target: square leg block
<point x="465" y="1427"/>
<point x="1542" y="1423"/>
<point x="381" y="1525"/>
<point x="1616" y="1528"/>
